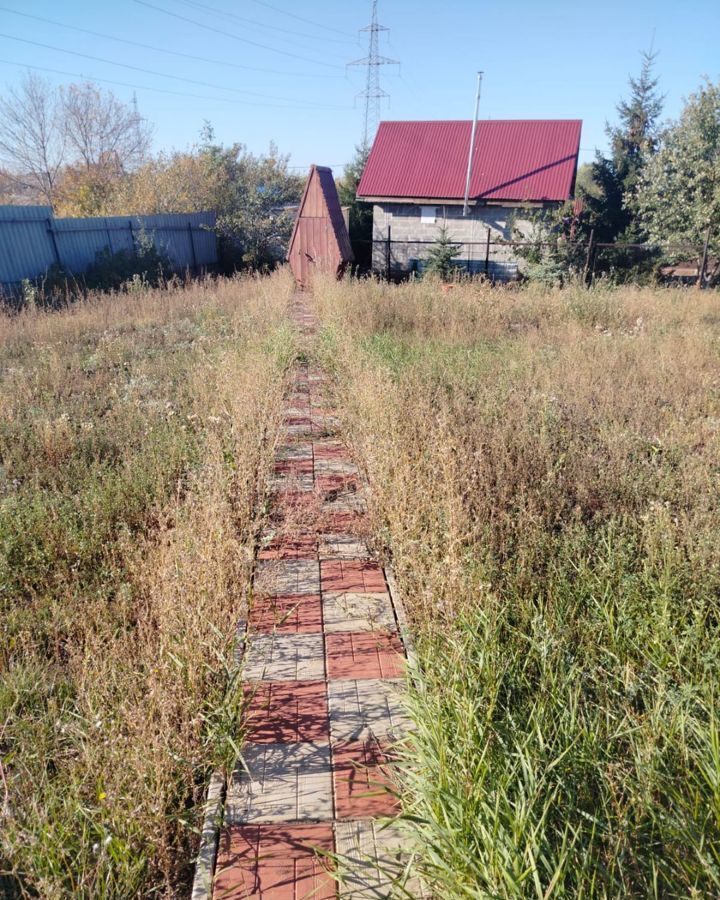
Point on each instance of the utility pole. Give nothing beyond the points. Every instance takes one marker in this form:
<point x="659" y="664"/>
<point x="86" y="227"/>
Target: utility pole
<point x="373" y="93"/>
<point x="472" y="144"/>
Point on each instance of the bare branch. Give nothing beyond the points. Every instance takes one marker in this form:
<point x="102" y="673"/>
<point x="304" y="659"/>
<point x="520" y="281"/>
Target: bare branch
<point x="32" y="137"/>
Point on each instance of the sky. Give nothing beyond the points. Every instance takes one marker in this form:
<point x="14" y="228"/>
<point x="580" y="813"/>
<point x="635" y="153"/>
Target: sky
<point x="275" y="70"/>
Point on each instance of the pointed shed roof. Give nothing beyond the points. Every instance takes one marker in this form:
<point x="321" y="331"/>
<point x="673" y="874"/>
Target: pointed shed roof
<point x="323" y="177"/>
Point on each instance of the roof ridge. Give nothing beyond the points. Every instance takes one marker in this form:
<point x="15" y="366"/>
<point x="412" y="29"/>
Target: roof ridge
<point x="458" y="121"/>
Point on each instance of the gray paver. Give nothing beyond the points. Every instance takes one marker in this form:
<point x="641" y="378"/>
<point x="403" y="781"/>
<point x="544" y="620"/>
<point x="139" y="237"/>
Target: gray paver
<point x="371" y="707"/>
<point x="325" y="421"/>
<point x="281" y="783"/>
<point x="288" y="576"/>
<point x="292" y="431"/>
<point x="346" y="502"/>
<point x="285" y="657"/>
<point x="295" y="451"/>
<point x="346" y="611"/>
<point x="371" y="860"/>
<point x="343" y="546"/>
<point x="335" y="467"/>
<point x="302" y="481"/>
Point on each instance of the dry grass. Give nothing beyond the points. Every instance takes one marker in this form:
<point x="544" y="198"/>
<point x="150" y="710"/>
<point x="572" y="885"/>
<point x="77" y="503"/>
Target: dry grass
<point x="545" y="478"/>
<point x="136" y="433"/>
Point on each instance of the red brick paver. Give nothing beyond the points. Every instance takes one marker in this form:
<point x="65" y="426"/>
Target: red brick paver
<point x="318" y="694"/>
<point x="360" y="575"/>
<point x="294" y="466"/>
<point x="298" y="613"/>
<point x="363" y="789"/>
<point x="275" y="862"/>
<point x="364" y="654"/>
<point x="284" y="711"/>
<point x="340" y="483"/>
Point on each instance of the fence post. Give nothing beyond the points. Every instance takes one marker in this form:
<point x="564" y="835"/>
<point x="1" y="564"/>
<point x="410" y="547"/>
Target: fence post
<point x="53" y="239"/>
<point x="132" y="237"/>
<point x="109" y="236"/>
<point x="192" y="246"/>
<point x="589" y="257"/>
<point x="487" y="253"/>
<point x="701" y="272"/>
<point x="387" y="256"/>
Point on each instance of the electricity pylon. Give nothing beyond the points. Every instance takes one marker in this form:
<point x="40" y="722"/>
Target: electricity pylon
<point x="373" y="93"/>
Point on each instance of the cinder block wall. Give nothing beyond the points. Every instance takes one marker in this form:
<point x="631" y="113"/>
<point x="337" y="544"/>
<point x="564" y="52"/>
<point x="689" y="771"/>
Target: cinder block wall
<point x="404" y="220"/>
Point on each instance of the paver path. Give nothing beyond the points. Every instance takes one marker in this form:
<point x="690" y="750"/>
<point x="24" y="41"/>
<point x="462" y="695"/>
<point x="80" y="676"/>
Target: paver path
<point x="323" y="669"/>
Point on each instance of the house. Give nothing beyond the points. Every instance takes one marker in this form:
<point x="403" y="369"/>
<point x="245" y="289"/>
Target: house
<point x="415" y="178"/>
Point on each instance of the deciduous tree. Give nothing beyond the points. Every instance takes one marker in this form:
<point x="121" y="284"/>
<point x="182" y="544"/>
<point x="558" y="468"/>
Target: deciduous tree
<point x="33" y="138"/>
<point x="101" y="129"/>
<point x="678" y="193"/>
<point x="254" y="196"/>
<point x="69" y="146"/>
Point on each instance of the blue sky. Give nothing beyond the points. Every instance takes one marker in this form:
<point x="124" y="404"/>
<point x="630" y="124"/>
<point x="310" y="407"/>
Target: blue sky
<point x="541" y="60"/>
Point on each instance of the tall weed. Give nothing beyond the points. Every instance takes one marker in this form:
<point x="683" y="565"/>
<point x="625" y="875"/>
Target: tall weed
<point x="545" y="477"/>
<point x="136" y="432"/>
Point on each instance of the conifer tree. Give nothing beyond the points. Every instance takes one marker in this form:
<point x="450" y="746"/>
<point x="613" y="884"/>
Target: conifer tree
<point x="361" y="214"/>
<point x="632" y="141"/>
<point x="441" y="256"/>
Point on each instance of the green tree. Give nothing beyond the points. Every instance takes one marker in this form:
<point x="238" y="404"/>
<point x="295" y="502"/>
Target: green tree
<point x="254" y="196"/>
<point x="361" y="214"/>
<point x="678" y="193"/>
<point x="611" y="207"/>
<point x="440" y="258"/>
<point x="258" y="211"/>
<point x="555" y="249"/>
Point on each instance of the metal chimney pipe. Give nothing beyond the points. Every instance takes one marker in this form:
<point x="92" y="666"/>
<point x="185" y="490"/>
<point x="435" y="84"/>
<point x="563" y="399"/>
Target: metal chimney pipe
<point x="472" y="145"/>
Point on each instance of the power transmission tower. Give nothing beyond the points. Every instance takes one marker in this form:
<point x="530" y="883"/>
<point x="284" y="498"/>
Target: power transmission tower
<point x="137" y="118"/>
<point x="373" y="93"/>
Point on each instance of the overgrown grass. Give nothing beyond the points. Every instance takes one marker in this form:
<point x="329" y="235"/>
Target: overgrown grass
<point x="545" y="479"/>
<point x="136" y="432"/>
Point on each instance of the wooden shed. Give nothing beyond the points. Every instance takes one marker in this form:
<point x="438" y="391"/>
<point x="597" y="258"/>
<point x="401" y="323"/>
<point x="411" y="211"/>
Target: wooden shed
<point x="320" y="241"/>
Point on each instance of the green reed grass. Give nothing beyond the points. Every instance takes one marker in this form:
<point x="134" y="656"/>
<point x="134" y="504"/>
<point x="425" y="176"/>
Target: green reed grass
<point x="545" y="478"/>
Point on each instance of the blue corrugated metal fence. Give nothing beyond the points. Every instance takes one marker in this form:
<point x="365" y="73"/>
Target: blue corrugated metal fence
<point x="31" y="240"/>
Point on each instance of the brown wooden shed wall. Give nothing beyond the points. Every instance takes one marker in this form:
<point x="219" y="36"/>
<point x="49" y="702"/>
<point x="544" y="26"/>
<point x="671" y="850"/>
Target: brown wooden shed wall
<point x="320" y="242"/>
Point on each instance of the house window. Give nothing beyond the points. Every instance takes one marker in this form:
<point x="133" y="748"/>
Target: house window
<point x="428" y="215"/>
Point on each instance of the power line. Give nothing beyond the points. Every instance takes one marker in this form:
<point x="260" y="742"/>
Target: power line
<point x="373" y="94"/>
<point x="284" y="12"/>
<point x="235" y="37"/>
<point x="156" y="90"/>
<point x="111" y="37"/>
<point x="145" y="71"/>
<point x="295" y="34"/>
<point x="329" y="165"/>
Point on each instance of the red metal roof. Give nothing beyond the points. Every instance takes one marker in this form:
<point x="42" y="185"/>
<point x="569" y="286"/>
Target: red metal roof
<point x="521" y="159"/>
